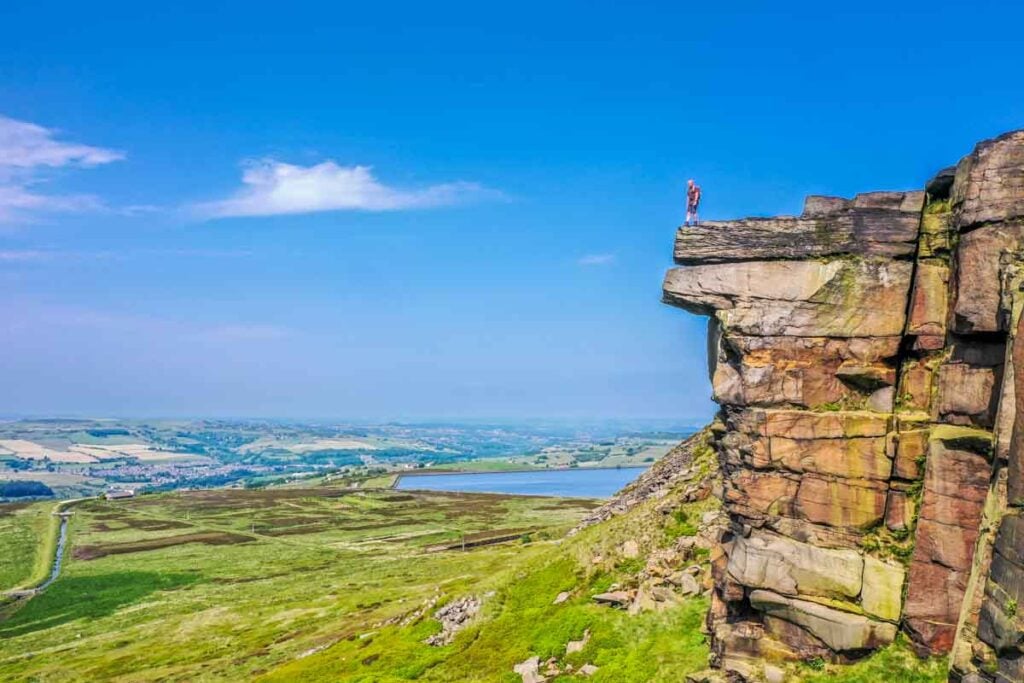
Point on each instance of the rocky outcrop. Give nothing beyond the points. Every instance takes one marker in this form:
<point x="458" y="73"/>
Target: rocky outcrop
<point x="684" y="469"/>
<point x="872" y="465"/>
<point x="453" y="618"/>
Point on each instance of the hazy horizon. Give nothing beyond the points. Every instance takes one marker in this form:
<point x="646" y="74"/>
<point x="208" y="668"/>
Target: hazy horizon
<point x="397" y="211"/>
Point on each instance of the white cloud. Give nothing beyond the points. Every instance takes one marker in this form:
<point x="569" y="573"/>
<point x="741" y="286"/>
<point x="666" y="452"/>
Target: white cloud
<point x="70" y="320"/>
<point x="596" y="259"/>
<point x="22" y="255"/>
<point x="273" y="188"/>
<point x="27" y="151"/>
<point x="241" y="333"/>
<point x="63" y="256"/>
<point x="27" y="145"/>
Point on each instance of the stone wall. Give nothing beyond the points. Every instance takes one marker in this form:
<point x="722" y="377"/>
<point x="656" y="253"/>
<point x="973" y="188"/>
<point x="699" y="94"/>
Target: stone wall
<point x="862" y="354"/>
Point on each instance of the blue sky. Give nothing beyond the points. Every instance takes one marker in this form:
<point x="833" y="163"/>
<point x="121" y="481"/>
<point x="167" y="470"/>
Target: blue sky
<point x="403" y="210"/>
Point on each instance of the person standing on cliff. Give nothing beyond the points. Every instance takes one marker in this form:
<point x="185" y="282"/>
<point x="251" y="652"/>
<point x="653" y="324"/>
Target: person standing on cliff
<point x="692" y="201"/>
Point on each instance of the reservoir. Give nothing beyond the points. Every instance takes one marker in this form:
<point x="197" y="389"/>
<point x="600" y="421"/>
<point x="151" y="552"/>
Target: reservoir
<point x="571" y="483"/>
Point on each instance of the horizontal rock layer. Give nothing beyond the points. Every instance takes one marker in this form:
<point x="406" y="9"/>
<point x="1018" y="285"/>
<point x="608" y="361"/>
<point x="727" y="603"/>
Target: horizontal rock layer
<point x="860" y="355"/>
<point x="875" y="224"/>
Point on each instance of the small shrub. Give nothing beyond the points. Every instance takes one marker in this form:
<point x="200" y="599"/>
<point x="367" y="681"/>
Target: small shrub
<point x="815" y="664"/>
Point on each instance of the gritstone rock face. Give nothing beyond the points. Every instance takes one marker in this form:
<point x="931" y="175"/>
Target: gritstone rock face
<point x="865" y="356"/>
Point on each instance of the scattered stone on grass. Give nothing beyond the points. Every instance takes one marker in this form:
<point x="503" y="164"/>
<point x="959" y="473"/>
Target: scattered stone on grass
<point x="578" y="645"/>
<point x="529" y="670"/>
<point x="453" y="617"/>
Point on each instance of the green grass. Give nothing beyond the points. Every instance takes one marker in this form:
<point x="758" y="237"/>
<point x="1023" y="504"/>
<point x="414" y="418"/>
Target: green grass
<point x="894" y="664"/>
<point x="328" y="583"/>
<point x="318" y="566"/>
<point x="28" y="539"/>
<point x="520" y="621"/>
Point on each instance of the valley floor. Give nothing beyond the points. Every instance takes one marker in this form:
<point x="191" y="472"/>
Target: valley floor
<point x="330" y="583"/>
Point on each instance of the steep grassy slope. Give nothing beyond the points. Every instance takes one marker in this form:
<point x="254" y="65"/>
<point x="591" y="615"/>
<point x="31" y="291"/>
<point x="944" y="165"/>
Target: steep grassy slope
<point x="223" y="585"/>
<point x="28" y="535"/>
<point x="520" y="618"/>
<point x="329" y="584"/>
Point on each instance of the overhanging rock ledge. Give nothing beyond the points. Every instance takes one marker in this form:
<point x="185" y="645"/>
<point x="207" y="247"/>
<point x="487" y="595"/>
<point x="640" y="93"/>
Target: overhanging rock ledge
<point x="863" y="355"/>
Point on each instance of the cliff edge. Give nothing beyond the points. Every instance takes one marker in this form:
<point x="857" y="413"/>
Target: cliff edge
<point x="872" y="462"/>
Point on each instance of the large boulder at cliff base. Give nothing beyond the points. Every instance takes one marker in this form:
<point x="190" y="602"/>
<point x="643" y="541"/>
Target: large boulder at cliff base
<point x="871" y="457"/>
<point x="841" y="631"/>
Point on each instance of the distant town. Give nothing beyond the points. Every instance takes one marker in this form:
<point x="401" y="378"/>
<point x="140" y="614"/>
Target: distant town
<point x="69" y="457"/>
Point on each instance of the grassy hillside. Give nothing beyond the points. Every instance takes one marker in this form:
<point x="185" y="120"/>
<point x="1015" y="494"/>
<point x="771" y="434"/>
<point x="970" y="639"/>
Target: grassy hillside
<point x="228" y="584"/>
<point x="520" y="619"/>
<point x="28" y="536"/>
<point x="328" y="584"/>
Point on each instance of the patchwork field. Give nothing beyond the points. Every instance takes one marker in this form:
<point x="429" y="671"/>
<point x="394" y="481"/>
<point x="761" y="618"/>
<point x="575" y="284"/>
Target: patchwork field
<point x="27" y="535"/>
<point x="338" y="584"/>
<point x="231" y="583"/>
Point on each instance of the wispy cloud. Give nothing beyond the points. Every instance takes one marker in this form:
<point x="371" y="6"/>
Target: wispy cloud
<point x="273" y="188"/>
<point x="27" y="152"/>
<point x="596" y="260"/>
<point x="27" y="145"/>
<point x="28" y="314"/>
<point x="62" y="256"/>
<point x="23" y="255"/>
<point x="241" y="333"/>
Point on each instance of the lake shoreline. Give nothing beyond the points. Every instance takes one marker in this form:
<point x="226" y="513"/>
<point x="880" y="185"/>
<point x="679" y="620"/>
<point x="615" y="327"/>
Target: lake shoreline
<point x="434" y="473"/>
<point x="565" y="482"/>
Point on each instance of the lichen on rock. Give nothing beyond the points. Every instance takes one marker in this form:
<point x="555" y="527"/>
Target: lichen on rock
<point x="863" y="355"/>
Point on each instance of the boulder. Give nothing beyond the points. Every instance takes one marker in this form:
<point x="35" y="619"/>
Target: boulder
<point x="882" y="400"/>
<point x="989" y="183"/>
<point x="955" y="488"/>
<point x="816" y="205"/>
<point x="858" y="503"/>
<point x="803" y="645"/>
<point x="529" y="670"/>
<point x="453" y="617"/>
<point x="936" y="233"/>
<point x="929" y="300"/>
<point x="788" y="567"/>
<point x="645" y="601"/>
<point x="978" y="288"/>
<point x="841" y="631"/>
<point x="578" y="645"/>
<point x="911" y="447"/>
<point x="1001" y="623"/>
<point x="899" y="510"/>
<point x="761" y="493"/>
<point x="872" y="224"/>
<point x="967" y="394"/>
<point x="866" y="377"/>
<point x="613" y="598"/>
<point x="837" y="298"/>
<point x="941" y="183"/>
<point x="798" y="424"/>
<point x="916" y="382"/>
<point x="1015" y="468"/>
<point x="688" y="584"/>
<point x="882" y="594"/>
<point x="857" y="458"/>
<point x="800" y="371"/>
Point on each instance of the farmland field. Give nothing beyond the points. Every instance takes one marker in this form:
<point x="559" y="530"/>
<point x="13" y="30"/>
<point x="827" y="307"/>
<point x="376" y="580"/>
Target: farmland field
<point x="334" y="584"/>
<point x="26" y="533"/>
<point x="232" y="583"/>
